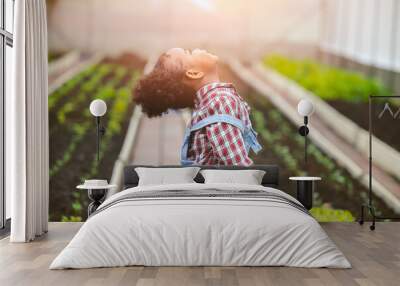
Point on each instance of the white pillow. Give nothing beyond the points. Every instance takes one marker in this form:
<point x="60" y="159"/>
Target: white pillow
<point x="165" y="176"/>
<point x="248" y="177"/>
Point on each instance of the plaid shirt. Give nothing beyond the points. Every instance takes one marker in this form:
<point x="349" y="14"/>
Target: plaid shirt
<point x="219" y="143"/>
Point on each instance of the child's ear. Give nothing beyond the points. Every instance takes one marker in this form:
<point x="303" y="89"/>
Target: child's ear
<point x="193" y="74"/>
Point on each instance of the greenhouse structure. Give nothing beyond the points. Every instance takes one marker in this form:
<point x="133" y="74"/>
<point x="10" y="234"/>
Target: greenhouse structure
<point x="214" y="134"/>
<point x="332" y="52"/>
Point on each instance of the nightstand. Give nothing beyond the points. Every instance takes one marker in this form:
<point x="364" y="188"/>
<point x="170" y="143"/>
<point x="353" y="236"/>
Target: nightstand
<point x="305" y="189"/>
<point x="97" y="192"/>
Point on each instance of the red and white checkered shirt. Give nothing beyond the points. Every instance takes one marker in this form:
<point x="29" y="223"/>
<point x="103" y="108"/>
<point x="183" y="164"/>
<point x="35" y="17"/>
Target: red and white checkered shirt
<point x="219" y="143"/>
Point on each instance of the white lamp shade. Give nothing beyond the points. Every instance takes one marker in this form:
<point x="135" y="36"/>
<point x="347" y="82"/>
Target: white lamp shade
<point x="305" y="107"/>
<point x="98" y="107"/>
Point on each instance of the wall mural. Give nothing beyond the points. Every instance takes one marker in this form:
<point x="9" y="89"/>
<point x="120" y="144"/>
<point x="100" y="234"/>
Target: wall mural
<point x="191" y="92"/>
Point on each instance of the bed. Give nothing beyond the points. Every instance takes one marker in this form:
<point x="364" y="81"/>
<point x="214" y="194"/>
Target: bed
<point x="198" y="224"/>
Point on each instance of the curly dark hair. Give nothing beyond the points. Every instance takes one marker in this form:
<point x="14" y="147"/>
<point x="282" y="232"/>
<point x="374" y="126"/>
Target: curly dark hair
<point x="163" y="89"/>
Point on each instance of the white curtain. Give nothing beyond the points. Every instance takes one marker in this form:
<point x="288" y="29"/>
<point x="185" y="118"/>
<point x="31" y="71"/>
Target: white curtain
<point x="27" y="124"/>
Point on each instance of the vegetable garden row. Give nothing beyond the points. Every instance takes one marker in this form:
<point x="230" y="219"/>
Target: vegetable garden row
<point x="72" y="131"/>
<point x="338" y="196"/>
<point x="346" y="91"/>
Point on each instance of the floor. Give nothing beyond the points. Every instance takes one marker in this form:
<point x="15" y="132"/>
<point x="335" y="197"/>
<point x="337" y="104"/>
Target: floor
<point x="375" y="257"/>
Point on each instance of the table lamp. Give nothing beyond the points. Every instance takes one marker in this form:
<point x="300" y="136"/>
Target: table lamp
<point x="98" y="108"/>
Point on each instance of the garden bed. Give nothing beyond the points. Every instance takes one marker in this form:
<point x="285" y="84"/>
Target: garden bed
<point x="347" y="92"/>
<point x="385" y="128"/>
<point x="72" y="131"/>
<point x="53" y="56"/>
<point x="283" y="146"/>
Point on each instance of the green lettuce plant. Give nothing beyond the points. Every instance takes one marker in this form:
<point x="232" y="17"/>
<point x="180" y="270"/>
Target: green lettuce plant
<point x="67" y="87"/>
<point x="331" y="215"/>
<point x="325" y="81"/>
<point x="71" y="218"/>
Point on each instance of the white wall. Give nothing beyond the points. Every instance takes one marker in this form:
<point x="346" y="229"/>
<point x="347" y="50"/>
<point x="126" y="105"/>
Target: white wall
<point x="363" y="30"/>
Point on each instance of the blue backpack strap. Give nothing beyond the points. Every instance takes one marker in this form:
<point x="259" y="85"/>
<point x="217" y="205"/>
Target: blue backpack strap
<point x="249" y="135"/>
<point x="250" y="141"/>
<point x="216" y="119"/>
<point x="203" y="123"/>
<point x="184" y="148"/>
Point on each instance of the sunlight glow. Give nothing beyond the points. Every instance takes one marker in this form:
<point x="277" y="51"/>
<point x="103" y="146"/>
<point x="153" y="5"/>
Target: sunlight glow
<point x="207" y="5"/>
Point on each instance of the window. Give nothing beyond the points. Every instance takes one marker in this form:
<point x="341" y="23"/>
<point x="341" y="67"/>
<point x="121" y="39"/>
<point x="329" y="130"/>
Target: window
<point x="6" y="43"/>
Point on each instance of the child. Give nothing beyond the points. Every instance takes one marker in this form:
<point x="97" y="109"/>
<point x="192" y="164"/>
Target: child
<point x="220" y="131"/>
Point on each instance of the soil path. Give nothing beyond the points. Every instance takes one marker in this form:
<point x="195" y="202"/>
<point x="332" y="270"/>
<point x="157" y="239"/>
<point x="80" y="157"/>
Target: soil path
<point x="159" y="140"/>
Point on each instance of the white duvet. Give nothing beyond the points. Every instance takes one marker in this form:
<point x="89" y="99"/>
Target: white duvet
<point x="200" y="231"/>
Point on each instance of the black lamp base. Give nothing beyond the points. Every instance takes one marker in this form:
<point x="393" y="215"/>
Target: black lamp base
<point x="97" y="196"/>
<point x="305" y="191"/>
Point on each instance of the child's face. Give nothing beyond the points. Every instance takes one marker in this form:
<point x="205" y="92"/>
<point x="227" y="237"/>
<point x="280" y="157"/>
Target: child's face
<point x="196" y="64"/>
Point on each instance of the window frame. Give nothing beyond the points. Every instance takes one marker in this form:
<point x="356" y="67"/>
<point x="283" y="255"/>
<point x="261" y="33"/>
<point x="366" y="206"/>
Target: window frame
<point x="6" y="39"/>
